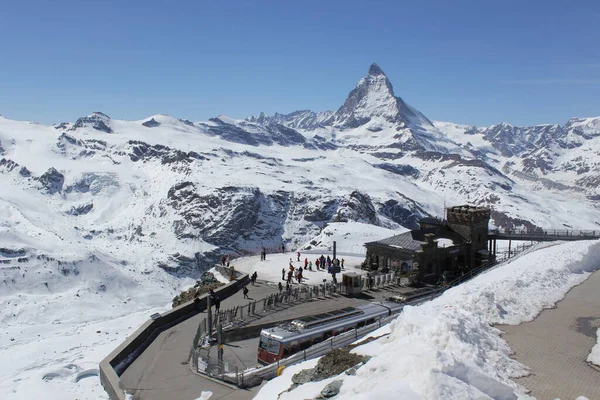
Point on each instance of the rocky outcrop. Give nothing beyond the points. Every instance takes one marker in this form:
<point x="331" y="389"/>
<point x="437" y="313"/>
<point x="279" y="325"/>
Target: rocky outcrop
<point x="407" y="213"/>
<point x="96" y="120"/>
<point x="331" y="364"/>
<point x="204" y="285"/>
<point x="81" y="210"/>
<point x="142" y="151"/>
<point x="96" y="183"/>
<point x="52" y="180"/>
<point x="357" y="207"/>
<point x="151" y="123"/>
<point x="7" y="165"/>
<point x="399" y="169"/>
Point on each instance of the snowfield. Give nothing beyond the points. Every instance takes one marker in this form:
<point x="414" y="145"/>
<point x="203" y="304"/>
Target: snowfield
<point x="103" y="221"/>
<point x="448" y="348"/>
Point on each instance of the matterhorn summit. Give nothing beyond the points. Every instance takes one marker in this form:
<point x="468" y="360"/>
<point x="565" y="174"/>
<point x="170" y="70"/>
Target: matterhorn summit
<point x="374" y="98"/>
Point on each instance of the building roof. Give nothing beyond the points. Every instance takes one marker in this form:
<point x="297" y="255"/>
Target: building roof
<point x="411" y="241"/>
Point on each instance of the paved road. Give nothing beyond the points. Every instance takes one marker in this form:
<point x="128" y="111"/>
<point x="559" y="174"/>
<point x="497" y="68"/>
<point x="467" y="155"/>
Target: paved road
<point x="162" y="370"/>
<point x="556" y="344"/>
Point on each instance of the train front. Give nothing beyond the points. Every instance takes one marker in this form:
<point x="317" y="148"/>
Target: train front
<point x="270" y="348"/>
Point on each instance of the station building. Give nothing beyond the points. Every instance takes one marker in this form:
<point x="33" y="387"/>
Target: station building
<point x="449" y="246"/>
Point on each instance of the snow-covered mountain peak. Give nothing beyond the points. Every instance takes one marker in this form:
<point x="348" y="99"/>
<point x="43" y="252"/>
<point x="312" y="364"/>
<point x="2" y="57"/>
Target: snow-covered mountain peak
<point x="375" y="69"/>
<point x="373" y="96"/>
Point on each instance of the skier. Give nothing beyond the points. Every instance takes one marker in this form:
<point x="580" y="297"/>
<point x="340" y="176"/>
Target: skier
<point x="280" y="286"/>
<point x="310" y="265"/>
<point x="283" y="274"/>
<point x="298" y="254"/>
<point x="317" y="264"/>
<point x="305" y="263"/>
<point x="342" y="263"/>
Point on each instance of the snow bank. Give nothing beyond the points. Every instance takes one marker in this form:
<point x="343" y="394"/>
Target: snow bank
<point x="448" y="348"/>
<point x="594" y="356"/>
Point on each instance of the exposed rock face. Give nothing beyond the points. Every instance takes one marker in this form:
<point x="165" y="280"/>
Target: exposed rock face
<point x="52" y="180"/>
<point x="203" y="286"/>
<point x="81" y="210"/>
<point x="95" y="183"/>
<point x="332" y="389"/>
<point x="141" y="151"/>
<point x="151" y="123"/>
<point x="303" y="119"/>
<point x="7" y="165"/>
<point x="97" y="121"/>
<point x="399" y="169"/>
<point x="357" y="207"/>
<point x="255" y="135"/>
<point x="407" y="215"/>
<point x="331" y="364"/>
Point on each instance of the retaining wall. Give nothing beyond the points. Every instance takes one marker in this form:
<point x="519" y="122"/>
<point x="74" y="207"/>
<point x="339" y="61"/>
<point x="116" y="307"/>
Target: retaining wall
<point x="117" y="362"/>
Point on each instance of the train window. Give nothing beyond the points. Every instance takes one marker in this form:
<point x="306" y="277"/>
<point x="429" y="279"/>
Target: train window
<point x="370" y="321"/>
<point x="286" y="350"/>
<point x="317" y="338"/>
<point x="327" y="335"/>
<point x="305" y="344"/>
<point x="273" y="346"/>
<point x="360" y="324"/>
<point x="294" y="347"/>
<point x="263" y="343"/>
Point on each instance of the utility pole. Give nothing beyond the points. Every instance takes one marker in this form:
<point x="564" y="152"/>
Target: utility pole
<point x="220" y="342"/>
<point x="334" y="249"/>
<point x="209" y="316"/>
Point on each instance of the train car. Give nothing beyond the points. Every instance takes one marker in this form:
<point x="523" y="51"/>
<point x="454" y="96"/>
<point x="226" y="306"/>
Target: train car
<point x="284" y="340"/>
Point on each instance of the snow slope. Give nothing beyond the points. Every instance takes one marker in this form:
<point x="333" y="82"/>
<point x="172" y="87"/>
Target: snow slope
<point x="448" y="348"/>
<point x="102" y="219"/>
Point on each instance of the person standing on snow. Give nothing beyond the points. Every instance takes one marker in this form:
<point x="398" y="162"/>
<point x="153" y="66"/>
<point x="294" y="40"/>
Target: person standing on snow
<point x="298" y="254"/>
<point x="283" y="274"/>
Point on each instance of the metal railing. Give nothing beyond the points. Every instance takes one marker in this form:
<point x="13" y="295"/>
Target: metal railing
<point x="547" y="232"/>
<point x="228" y="372"/>
<point x="230" y="318"/>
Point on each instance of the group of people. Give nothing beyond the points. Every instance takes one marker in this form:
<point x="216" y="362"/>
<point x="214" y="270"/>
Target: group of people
<point x="328" y="262"/>
<point x="292" y="272"/>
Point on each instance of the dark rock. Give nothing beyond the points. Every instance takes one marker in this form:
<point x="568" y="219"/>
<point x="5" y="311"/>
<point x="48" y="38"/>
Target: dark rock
<point x="332" y="389"/>
<point x="357" y="207"/>
<point x="407" y="214"/>
<point x="187" y="122"/>
<point x="81" y="210"/>
<point x="141" y="151"/>
<point x="24" y="172"/>
<point x="151" y="123"/>
<point x="95" y="183"/>
<point x="7" y="165"/>
<point x="302" y="377"/>
<point x="52" y="180"/>
<point x="399" y="169"/>
<point x="97" y="121"/>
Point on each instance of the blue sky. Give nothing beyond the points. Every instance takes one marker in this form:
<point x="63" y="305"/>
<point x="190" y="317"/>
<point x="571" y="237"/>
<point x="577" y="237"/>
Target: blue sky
<point x="473" y="62"/>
